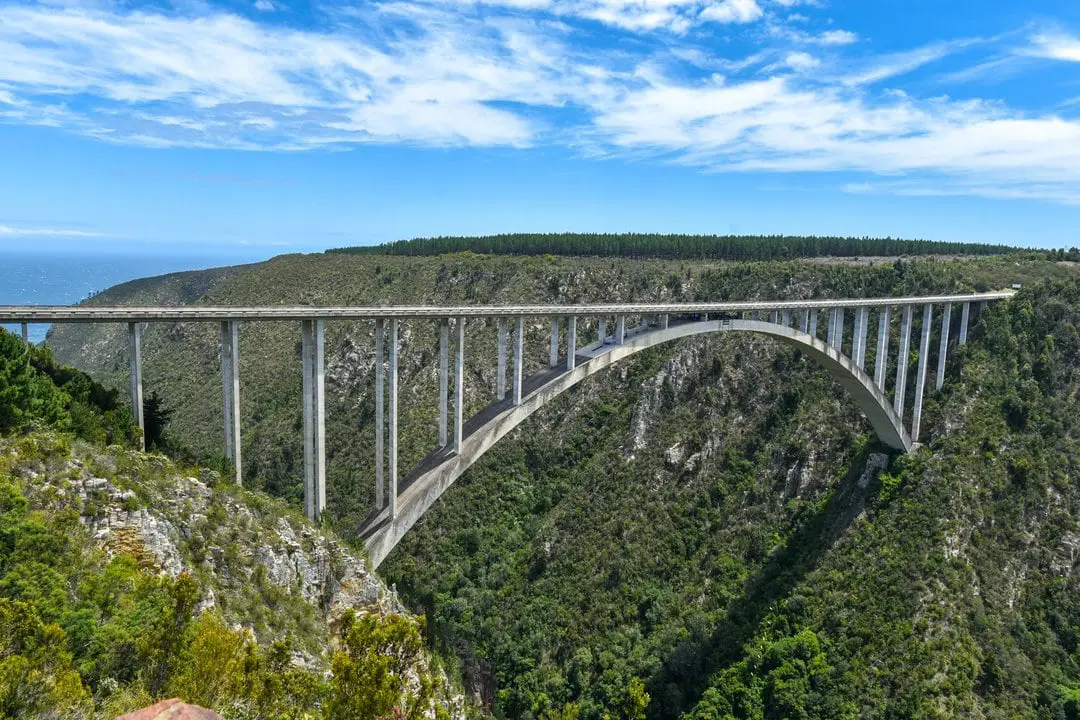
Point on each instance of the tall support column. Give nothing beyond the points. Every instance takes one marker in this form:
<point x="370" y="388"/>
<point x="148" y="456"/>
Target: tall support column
<point x="813" y="323"/>
<point x="620" y="329"/>
<point x="900" y="390"/>
<point x="774" y="317"/>
<point x="444" y="380"/>
<point x="946" y="320"/>
<point x="601" y="330"/>
<point x="920" y="379"/>
<point x="380" y="418"/>
<point x="135" y="346"/>
<point x="234" y="374"/>
<point x="840" y="330"/>
<point x="320" y="419"/>
<point x="392" y="455"/>
<point x="571" y="342"/>
<point x="459" y="384"/>
<point x="226" y="388"/>
<point x="665" y="321"/>
<point x="785" y="318"/>
<point x="804" y="326"/>
<point x="881" y="360"/>
<point x="25" y="335"/>
<point x="519" y="353"/>
<point x="831" y="334"/>
<point x="307" y="332"/>
<point x="500" y="382"/>
<point x="964" y="323"/>
<point x="859" y="341"/>
<point x="554" y="360"/>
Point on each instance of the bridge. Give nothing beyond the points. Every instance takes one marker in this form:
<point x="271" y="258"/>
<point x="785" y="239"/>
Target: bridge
<point x="401" y="500"/>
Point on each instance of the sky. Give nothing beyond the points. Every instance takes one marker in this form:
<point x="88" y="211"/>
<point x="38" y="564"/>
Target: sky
<point x="251" y="125"/>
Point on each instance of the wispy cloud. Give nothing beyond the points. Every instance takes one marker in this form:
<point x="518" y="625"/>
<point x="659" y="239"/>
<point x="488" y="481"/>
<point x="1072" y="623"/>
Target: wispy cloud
<point x="520" y="73"/>
<point x="1055" y="46"/>
<point x="9" y="231"/>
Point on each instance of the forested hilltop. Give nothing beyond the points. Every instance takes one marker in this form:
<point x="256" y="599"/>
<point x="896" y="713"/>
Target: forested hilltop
<point x="679" y="247"/>
<point x="707" y="530"/>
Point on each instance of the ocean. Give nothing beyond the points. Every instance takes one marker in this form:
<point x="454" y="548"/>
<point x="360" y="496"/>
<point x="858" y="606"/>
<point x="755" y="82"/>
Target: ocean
<point x="28" y="278"/>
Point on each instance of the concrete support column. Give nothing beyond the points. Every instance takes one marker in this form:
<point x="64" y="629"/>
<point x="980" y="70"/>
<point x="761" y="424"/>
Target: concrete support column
<point x="962" y="340"/>
<point x="881" y="360"/>
<point x="459" y="384"/>
<point x="804" y="326"/>
<point x="946" y="320"/>
<point x="774" y="317"/>
<point x="840" y="330"/>
<point x="226" y="388"/>
<point x="500" y="382"/>
<point x="314" y="418"/>
<point x="234" y="415"/>
<point x="393" y="435"/>
<point x="901" y="363"/>
<point x="831" y="334"/>
<point x="920" y="379"/>
<point x="135" y="349"/>
<point x="571" y="342"/>
<point x="380" y="410"/>
<point x="554" y="360"/>
<point x="444" y="379"/>
<point x="620" y="329"/>
<point x="519" y="350"/>
<point x="25" y="335"/>
<point x="307" y="330"/>
<point x="858" y="342"/>
<point x="785" y="318"/>
<point x="601" y="330"/>
<point x="665" y="321"/>
<point x="812" y="329"/>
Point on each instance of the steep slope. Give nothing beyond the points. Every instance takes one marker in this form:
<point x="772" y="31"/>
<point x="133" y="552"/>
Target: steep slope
<point x="125" y="578"/>
<point x="686" y="531"/>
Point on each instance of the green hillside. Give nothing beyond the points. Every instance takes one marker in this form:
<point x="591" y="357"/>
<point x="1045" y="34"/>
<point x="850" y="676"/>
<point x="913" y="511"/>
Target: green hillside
<point x="126" y="578"/>
<point x="701" y="530"/>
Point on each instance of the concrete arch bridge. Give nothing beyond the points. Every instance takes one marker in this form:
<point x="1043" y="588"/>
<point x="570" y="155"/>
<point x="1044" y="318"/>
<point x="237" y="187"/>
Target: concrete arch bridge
<point x="401" y="500"/>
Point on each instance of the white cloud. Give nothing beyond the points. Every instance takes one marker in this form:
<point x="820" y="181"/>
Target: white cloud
<point x="8" y="231"/>
<point x="266" y="6"/>
<point x="1055" y="46"/>
<point x="733" y="11"/>
<point x="444" y="73"/>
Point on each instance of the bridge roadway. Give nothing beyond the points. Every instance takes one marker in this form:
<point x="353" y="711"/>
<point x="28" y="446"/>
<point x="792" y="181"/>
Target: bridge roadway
<point x="794" y="322"/>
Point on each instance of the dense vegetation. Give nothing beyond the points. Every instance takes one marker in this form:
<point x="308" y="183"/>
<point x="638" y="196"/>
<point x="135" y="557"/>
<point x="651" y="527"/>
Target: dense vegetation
<point x="678" y="247"/>
<point x="89" y="633"/>
<point x="701" y="530"/>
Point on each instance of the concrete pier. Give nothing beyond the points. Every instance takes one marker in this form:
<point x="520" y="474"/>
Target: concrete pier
<point x="920" y="379"/>
<point x="620" y="330"/>
<point x="519" y="351"/>
<point x="554" y="358"/>
<point x="393" y="435"/>
<point x="571" y="342"/>
<point x="25" y="334"/>
<point x="964" y="312"/>
<point x="813" y="323"/>
<point x="665" y="321"/>
<point x="444" y="380"/>
<point x="830" y="333"/>
<point x="307" y="332"/>
<point x="839" y="330"/>
<point x="785" y="318"/>
<point x="320" y="418"/>
<point x="601" y="330"/>
<point x="858" y="341"/>
<point x="234" y="397"/>
<point x="459" y="383"/>
<point x="946" y="320"/>
<point x="135" y="353"/>
<point x="500" y="381"/>
<point x="226" y="389"/>
<point x="881" y="359"/>
<point x="899" y="392"/>
<point x="380" y="417"/>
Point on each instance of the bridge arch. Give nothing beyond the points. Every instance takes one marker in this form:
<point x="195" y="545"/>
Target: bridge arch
<point x="436" y="473"/>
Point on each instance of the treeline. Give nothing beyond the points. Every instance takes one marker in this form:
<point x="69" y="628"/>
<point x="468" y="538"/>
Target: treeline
<point x="713" y="247"/>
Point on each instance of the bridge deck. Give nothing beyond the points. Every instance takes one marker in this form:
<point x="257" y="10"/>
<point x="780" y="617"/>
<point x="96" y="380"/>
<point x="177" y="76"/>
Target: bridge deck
<point x="195" y="313"/>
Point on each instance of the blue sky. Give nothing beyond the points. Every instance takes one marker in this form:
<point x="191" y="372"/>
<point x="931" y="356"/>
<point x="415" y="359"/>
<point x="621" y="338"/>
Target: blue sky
<point x="289" y="124"/>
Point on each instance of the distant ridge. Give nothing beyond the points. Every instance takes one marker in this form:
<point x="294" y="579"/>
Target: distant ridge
<point x="696" y="247"/>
